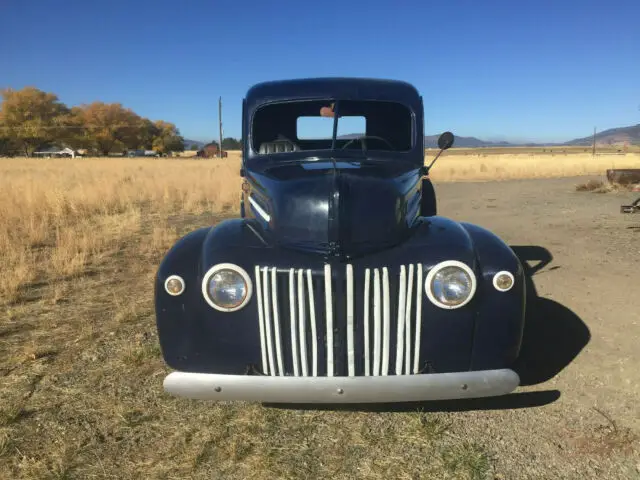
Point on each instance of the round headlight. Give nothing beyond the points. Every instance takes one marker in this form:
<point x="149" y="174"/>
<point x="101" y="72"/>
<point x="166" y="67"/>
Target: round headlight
<point x="450" y="284"/>
<point x="226" y="287"/>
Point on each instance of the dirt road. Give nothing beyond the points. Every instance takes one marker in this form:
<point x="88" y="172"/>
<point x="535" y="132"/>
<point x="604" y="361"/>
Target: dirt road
<point x="589" y="309"/>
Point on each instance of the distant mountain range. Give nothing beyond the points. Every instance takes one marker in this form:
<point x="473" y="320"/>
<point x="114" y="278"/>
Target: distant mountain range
<point x="188" y="143"/>
<point x="431" y="141"/>
<point x="612" y="136"/>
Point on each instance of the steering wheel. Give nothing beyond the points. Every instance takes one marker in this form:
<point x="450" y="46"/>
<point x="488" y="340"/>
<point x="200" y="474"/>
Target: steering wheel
<point x="363" y="143"/>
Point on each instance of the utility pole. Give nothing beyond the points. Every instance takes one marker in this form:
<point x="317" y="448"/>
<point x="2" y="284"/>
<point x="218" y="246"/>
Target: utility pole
<point x="220" y="117"/>
<point x="594" y="142"/>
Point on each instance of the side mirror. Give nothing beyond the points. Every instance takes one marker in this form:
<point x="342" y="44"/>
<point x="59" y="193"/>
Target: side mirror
<point x="445" y="141"/>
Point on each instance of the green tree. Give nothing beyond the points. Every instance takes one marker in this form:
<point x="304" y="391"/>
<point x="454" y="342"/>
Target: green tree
<point x="193" y="147"/>
<point x="230" y="143"/>
<point x="32" y="118"/>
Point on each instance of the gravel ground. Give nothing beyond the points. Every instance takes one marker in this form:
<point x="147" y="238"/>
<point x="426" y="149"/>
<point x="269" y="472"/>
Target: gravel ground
<point x="581" y="355"/>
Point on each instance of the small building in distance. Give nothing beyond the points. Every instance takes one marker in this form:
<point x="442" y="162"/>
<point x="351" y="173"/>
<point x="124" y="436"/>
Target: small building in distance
<point x="210" y="150"/>
<point x="54" y="152"/>
<point x="141" y="153"/>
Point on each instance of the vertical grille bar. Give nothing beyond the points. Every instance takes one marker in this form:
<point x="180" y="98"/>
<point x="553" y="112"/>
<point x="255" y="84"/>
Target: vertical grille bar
<point x="303" y="331"/>
<point x="314" y="332"/>
<point x="407" y="322"/>
<point x="376" y="322"/>
<point x="263" y="343"/>
<point x="367" y="301"/>
<point x="386" y="321"/>
<point x="276" y="320"/>
<point x="292" y="323"/>
<point x="402" y="292"/>
<point x="418" y="329"/>
<point x="350" y="341"/>
<point x="328" y="306"/>
<point x="267" y="320"/>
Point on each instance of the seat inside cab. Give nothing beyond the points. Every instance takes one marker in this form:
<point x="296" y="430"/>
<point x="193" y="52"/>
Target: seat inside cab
<point x="387" y="125"/>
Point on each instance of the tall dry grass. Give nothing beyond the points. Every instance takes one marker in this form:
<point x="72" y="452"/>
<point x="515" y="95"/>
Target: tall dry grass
<point x="59" y="215"/>
<point x="486" y="167"/>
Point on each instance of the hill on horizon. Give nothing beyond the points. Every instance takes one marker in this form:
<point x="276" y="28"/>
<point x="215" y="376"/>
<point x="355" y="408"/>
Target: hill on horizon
<point x="188" y="143"/>
<point x="612" y="136"/>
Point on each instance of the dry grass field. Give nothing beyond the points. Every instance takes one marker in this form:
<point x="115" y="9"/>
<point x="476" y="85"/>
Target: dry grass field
<point x="80" y="366"/>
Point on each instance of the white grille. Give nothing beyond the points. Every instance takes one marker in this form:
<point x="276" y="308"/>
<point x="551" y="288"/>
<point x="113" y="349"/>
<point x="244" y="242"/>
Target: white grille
<point x="301" y="323"/>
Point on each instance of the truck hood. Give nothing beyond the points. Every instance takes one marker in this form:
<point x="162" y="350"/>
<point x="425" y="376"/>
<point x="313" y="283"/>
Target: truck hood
<point x="354" y="208"/>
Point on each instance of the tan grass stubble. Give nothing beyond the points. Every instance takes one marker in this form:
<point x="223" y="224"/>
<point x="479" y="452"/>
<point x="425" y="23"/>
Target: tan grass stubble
<point x="60" y="216"/>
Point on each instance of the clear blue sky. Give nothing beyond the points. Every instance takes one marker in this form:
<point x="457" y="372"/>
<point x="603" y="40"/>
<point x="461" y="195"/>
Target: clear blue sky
<point x="534" y="70"/>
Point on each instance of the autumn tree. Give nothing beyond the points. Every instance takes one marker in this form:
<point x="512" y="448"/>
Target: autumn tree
<point x="148" y="132"/>
<point x="110" y="127"/>
<point x="168" y="138"/>
<point x="7" y="145"/>
<point x="31" y="118"/>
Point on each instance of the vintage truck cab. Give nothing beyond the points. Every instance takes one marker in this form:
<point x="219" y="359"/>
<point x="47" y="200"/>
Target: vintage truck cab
<point x="339" y="282"/>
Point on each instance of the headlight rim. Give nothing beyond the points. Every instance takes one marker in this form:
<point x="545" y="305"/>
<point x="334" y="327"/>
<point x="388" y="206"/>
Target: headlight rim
<point x="226" y="266"/>
<point x="174" y="277"/>
<point x="439" y="266"/>
<point x="495" y="280"/>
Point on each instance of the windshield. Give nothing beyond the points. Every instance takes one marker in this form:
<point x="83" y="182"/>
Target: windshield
<point x="314" y="125"/>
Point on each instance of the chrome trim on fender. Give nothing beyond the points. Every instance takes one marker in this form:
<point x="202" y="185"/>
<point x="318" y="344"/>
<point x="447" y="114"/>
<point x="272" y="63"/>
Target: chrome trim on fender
<point x="381" y="389"/>
<point x="259" y="209"/>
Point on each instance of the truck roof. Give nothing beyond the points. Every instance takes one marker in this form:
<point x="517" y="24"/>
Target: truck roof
<point x="352" y="88"/>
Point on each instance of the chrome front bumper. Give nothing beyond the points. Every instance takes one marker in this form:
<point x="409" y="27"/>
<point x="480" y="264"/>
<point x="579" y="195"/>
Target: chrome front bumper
<point x="379" y="389"/>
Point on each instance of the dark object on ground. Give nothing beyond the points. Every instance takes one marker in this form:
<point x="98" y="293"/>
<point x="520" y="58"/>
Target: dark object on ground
<point x="633" y="208"/>
<point x="624" y="176"/>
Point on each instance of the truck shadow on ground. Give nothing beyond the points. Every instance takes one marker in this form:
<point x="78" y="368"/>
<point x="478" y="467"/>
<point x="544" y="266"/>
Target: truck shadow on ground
<point x="553" y="337"/>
